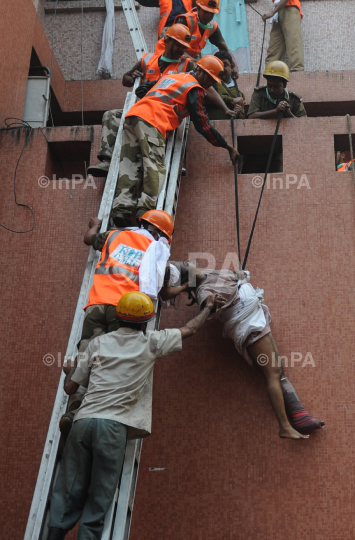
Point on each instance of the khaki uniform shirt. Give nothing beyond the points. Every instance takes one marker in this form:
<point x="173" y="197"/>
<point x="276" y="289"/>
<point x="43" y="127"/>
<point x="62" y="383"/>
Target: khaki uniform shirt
<point x="117" y="370"/>
<point x="260" y="102"/>
<point x="227" y="94"/>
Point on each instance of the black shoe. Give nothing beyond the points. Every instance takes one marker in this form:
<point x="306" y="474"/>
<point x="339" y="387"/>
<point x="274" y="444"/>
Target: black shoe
<point x="100" y="170"/>
<point x="121" y="222"/>
<point x="54" y="533"/>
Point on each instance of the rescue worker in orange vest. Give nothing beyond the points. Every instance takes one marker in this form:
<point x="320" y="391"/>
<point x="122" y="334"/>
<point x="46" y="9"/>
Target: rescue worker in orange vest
<point x="165" y="105"/>
<point x="286" y="34"/>
<point x="166" y="59"/>
<point x="169" y="9"/>
<point x="341" y="165"/>
<point x="200" y="22"/>
<point x="116" y="273"/>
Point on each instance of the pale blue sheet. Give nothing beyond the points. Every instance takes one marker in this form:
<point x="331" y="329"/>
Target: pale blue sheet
<point x="232" y="21"/>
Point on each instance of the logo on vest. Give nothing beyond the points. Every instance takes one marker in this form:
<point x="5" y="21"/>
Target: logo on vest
<point x="165" y="83"/>
<point x="151" y="70"/>
<point x="127" y="255"/>
<point x="172" y="72"/>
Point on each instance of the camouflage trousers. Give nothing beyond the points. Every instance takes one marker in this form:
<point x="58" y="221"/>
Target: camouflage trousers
<point x="142" y="168"/>
<point x="110" y="123"/>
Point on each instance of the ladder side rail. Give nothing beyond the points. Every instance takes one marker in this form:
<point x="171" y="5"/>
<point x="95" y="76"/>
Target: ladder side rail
<point x="175" y="172"/>
<point x="134" y="27"/>
<point x="168" y="154"/>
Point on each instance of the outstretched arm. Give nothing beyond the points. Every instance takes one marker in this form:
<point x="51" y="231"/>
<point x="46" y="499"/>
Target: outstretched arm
<point x="94" y="226"/>
<point x="217" y="100"/>
<point x="202" y="124"/>
<point x="169" y="292"/>
<point x="213" y="301"/>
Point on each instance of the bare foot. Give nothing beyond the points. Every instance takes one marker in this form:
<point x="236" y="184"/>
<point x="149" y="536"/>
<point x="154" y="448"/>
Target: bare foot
<point x="290" y="433"/>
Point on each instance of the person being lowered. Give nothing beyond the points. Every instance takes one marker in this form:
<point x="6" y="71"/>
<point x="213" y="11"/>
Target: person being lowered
<point x="246" y="321"/>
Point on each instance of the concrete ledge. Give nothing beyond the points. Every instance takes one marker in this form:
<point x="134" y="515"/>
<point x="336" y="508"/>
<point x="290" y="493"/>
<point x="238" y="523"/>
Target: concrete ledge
<point x="76" y="6"/>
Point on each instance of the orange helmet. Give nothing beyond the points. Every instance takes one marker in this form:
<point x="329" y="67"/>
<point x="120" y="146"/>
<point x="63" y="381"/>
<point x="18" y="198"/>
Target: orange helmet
<point x="213" y="66"/>
<point x="209" y="5"/>
<point x="180" y="33"/>
<point x="162" y="220"/>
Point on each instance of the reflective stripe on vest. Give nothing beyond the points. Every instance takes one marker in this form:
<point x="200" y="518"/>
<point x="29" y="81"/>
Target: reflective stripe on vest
<point x="345" y="166"/>
<point x="198" y="39"/>
<point x="165" y="106"/>
<point x="150" y="64"/>
<point x="116" y="273"/>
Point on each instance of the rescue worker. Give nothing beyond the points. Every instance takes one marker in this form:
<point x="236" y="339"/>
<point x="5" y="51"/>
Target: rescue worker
<point x="142" y="162"/>
<point x="341" y="165"/>
<point x="117" y="370"/>
<point x="266" y="102"/>
<point x="286" y="34"/>
<point x="116" y="273"/>
<point x="199" y="21"/>
<point x="247" y="321"/>
<point x="228" y="90"/>
<point x="169" y="9"/>
<point x="166" y="60"/>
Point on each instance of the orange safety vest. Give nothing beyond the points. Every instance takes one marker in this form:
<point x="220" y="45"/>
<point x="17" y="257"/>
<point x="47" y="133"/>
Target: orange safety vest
<point x="296" y="3"/>
<point x="116" y="272"/>
<point x="165" y="105"/>
<point x="198" y="41"/>
<point x="150" y="66"/>
<point x="165" y="9"/>
<point x="345" y="166"/>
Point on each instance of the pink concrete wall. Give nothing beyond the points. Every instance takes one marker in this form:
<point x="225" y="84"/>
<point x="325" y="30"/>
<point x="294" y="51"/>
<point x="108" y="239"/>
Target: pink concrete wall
<point x="227" y="474"/>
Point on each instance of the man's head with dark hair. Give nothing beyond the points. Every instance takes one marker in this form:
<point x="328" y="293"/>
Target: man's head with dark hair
<point x="229" y="71"/>
<point x="224" y="55"/>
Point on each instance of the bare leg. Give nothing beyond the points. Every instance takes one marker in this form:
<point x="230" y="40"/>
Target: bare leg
<point x="300" y="419"/>
<point x="264" y="349"/>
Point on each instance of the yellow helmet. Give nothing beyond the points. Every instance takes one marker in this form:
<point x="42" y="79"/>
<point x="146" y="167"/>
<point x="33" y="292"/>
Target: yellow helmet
<point x="277" y="69"/>
<point x="135" y="307"/>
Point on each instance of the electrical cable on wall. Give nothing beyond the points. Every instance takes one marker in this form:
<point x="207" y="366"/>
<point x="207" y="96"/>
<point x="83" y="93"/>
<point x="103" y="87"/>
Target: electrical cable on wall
<point x="16" y="125"/>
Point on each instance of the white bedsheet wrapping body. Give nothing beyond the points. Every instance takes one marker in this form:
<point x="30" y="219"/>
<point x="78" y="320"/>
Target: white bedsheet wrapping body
<point x="247" y="316"/>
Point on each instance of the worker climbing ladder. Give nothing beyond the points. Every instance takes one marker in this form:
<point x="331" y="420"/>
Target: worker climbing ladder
<point x="118" y="518"/>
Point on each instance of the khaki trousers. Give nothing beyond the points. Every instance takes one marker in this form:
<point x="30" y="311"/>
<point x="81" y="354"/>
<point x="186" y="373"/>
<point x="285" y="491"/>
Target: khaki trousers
<point x="286" y="37"/>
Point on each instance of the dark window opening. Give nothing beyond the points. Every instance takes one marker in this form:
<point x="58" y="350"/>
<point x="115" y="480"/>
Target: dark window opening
<point x="255" y="152"/>
<point x="330" y="108"/>
<point x="342" y="149"/>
